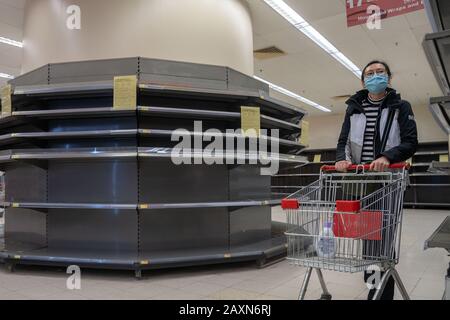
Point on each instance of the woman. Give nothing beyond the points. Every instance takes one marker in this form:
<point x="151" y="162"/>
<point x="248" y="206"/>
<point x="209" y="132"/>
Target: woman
<point x="379" y="129"/>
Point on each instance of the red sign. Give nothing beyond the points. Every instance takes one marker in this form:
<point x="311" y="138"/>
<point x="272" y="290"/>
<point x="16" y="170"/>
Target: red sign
<point x="359" y="11"/>
<point x="365" y="225"/>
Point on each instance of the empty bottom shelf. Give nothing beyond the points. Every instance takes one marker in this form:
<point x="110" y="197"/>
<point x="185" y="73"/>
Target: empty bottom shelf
<point x="19" y="254"/>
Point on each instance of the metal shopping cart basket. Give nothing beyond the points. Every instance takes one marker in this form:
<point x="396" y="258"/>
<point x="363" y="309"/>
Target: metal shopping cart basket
<point x="348" y="222"/>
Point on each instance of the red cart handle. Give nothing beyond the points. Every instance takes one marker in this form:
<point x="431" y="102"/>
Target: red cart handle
<point x="366" y="167"/>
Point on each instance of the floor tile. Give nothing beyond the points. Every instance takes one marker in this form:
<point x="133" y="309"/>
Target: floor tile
<point x="428" y="288"/>
<point x="234" y="294"/>
<point x="203" y="288"/>
<point x="422" y="273"/>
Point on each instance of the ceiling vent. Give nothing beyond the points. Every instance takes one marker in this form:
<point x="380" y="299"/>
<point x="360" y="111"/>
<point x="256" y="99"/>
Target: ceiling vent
<point x="269" y="53"/>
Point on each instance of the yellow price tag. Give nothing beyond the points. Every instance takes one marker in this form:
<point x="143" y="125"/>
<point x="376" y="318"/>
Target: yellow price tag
<point x="6" y="93"/>
<point x="317" y="158"/>
<point x="144" y="206"/>
<point x="125" y="93"/>
<point x="251" y="121"/>
<point x="304" y="138"/>
<point x="15" y="205"/>
<point x="443" y="158"/>
<point x="145" y="262"/>
<point x="17" y="257"/>
<point x="227" y="255"/>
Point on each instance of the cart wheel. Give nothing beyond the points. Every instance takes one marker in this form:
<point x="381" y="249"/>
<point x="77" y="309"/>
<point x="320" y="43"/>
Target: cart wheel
<point x="326" y="297"/>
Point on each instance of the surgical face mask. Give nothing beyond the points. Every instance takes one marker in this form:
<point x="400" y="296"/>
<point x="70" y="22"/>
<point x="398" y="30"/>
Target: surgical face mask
<point x="377" y="83"/>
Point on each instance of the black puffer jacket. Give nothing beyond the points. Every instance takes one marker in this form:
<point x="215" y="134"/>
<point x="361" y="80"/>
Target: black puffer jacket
<point x="396" y="129"/>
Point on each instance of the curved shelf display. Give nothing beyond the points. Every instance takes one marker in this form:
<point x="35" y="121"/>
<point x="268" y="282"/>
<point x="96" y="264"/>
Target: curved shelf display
<point x="12" y="138"/>
<point x="261" y="98"/>
<point x="104" y="187"/>
<point x="142" y="206"/>
<point x="151" y="152"/>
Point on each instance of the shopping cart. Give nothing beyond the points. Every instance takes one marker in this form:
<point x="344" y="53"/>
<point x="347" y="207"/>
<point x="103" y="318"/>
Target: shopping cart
<point x="348" y="222"/>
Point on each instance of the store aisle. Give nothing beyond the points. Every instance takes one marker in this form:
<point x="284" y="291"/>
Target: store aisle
<point x="422" y="272"/>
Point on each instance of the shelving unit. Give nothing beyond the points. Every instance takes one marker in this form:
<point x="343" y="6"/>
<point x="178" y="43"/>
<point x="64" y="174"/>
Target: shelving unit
<point x="424" y="184"/>
<point x="293" y="178"/>
<point x="436" y="49"/>
<point x="102" y="189"/>
<point x="421" y="193"/>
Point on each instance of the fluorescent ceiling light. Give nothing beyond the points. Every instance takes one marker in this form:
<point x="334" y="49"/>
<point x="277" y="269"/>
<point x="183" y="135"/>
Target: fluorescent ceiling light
<point x="302" y="25"/>
<point x="7" y="76"/>
<point x="293" y="95"/>
<point x="11" y="42"/>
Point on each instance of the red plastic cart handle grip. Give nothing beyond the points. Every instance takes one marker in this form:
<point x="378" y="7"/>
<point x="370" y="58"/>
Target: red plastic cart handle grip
<point x="366" y="167"/>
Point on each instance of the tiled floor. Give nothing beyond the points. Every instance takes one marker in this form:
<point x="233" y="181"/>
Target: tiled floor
<point x="422" y="271"/>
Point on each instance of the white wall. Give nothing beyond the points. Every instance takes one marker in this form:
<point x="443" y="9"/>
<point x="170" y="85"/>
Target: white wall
<point x="324" y="130"/>
<point x="203" y="31"/>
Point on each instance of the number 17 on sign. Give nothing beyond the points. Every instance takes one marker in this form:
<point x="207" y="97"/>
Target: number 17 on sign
<point x="352" y="3"/>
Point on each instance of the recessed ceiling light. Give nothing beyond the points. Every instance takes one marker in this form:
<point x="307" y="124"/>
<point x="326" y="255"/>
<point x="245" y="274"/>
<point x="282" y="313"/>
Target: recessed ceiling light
<point x="302" y="25"/>
<point x="11" y="42"/>
<point x="5" y="75"/>
<point x="293" y="95"/>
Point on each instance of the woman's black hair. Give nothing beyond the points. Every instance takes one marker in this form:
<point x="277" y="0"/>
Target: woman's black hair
<point x="388" y="70"/>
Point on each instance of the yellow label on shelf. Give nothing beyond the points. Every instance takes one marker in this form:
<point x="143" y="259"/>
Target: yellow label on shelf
<point x="125" y="92"/>
<point x="227" y="255"/>
<point x="144" y="206"/>
<point x="251" y="121"/>
<point x="15" y="205"/>
<point x="304" y="138"/>
<point x="145" y="262"/>
<point x="317" y="158"/>
<point x="443" y="158"/>
<point x="6" y="93"/>
<point x="17" y="257"/>
<point x="15" y="157"/>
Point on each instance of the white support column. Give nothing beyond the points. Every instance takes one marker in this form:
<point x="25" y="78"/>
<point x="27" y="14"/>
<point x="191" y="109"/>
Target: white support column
<point x="215" y="32"/>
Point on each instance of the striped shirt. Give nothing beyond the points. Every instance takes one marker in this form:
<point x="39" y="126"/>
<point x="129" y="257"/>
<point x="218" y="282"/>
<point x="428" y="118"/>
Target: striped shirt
<point x="372" y="111"/>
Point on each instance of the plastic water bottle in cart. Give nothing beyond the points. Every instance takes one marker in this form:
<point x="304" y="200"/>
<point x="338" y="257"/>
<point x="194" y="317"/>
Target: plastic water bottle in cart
<point x="325" y="242"/>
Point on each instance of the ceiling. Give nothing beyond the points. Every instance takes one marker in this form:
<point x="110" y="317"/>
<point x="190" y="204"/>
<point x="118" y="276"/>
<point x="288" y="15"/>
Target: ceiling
<point x="305" y="69"/>
<point x="312" y="73"/>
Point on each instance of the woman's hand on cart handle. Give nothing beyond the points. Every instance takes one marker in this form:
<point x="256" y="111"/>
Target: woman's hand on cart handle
<point x="380" y="165"/>
<point x="402" y="165"/>
<point x="342" y="166"/>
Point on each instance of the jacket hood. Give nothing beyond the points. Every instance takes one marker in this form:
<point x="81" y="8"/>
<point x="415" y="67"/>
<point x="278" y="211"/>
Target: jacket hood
<point x="357" y="99"/>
